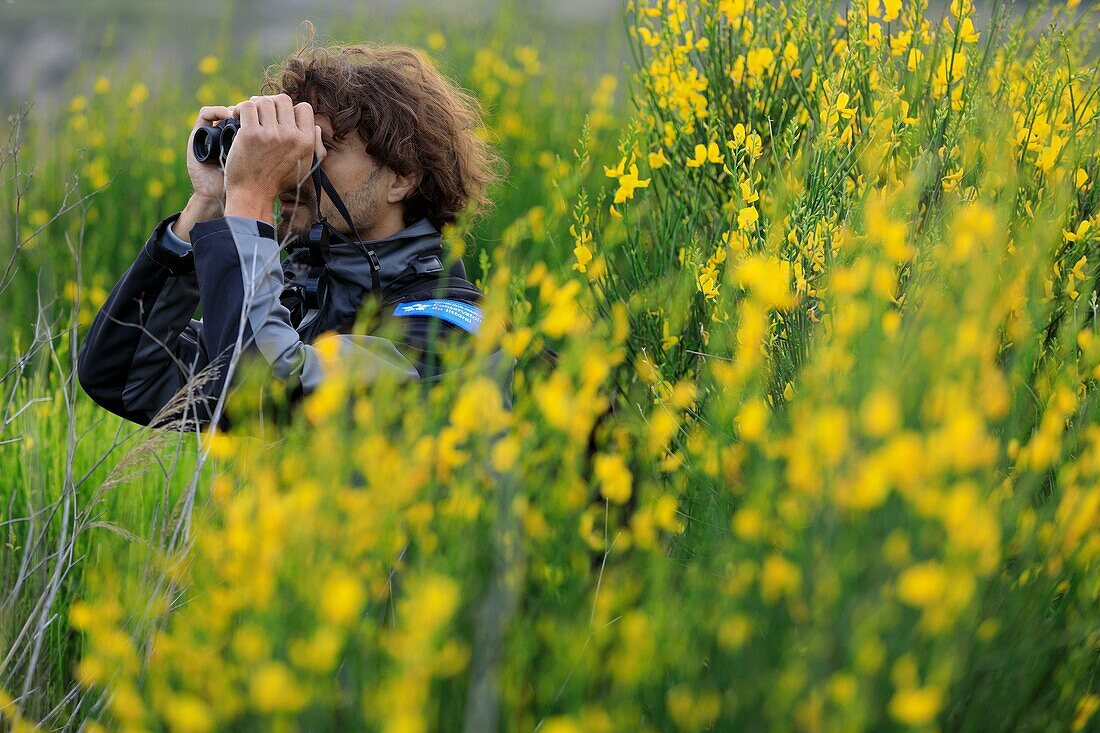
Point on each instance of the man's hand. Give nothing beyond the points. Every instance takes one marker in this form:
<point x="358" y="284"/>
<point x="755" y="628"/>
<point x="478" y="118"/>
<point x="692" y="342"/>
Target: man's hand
<point x="207" y="180"/>
<point x="271" y="153"/>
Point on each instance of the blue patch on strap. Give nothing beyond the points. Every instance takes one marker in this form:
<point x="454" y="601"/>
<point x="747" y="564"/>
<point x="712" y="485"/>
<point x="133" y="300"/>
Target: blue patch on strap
<point x="464" y="315"/>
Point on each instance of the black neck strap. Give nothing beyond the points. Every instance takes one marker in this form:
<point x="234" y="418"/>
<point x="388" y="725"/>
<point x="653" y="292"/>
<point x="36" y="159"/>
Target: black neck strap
<point x="321" y="181"/>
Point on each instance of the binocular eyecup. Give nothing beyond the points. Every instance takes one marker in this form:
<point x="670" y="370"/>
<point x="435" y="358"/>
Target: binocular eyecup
<point x="211" y="143"/>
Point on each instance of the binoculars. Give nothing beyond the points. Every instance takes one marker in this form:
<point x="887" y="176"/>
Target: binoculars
<point x="211" y="143"/>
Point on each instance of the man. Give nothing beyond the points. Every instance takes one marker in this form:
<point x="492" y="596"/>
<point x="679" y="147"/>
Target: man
<point x="370" y="152"/>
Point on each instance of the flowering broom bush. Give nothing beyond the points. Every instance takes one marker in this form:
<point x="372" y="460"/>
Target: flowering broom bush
<point x="804" y="436"/>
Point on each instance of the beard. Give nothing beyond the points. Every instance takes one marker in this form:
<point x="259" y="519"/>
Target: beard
<point x="296" y="218"/>
<point x="294" y="222"/>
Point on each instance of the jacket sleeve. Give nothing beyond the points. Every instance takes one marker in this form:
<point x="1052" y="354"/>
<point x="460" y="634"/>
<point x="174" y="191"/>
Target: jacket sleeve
<point x="145" y="343"/>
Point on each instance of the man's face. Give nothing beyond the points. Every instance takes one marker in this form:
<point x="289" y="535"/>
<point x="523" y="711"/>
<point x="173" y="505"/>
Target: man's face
<point x="355" y="175"/>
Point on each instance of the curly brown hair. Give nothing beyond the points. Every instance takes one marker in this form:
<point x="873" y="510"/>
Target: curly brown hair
<point x="411" y="117"/>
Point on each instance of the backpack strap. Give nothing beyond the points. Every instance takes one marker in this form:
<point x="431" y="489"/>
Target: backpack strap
<point x="466" y="316"/>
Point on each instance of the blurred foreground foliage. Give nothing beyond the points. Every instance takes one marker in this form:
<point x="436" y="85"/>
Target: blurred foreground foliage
<point x="816" y="445"/>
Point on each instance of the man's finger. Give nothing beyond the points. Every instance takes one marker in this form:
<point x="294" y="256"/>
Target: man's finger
<point x="265" y="109"/>
<point x="303" y="116"/>
<point x="248" y="113"/>
<point x="284" y="110"/>
<point x="318" y="146"/>
<point x="213" y="114"/>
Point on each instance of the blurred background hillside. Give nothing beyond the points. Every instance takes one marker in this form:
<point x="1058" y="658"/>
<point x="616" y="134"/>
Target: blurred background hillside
<point x="43" y="44"/>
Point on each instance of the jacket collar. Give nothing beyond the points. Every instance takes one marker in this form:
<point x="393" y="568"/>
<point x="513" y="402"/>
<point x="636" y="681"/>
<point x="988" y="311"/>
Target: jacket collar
<point x="412" y="266"/>
<point x="415" y="250"/>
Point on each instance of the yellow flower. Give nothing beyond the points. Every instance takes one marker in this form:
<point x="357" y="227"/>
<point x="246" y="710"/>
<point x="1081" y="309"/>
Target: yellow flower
<point x="559" y="724"/>
<point x="436" y="41"/>
<point x="752" y="420"/>
<point x="1078" y="269"/>
<point x="342" y="598"/>
<point x="317" y="653"/>
<point x="733" y="9"/>
<point x="435" y="598"/>
<point x="208" y="65"/>
<point x="967" y="34"/>
<point x="769" y="278"/>
<point x="666" y="514"/>
<point x="127" y="704"/>
<point x="663" y="424"/>
<point x="614" y="477"/>
<point x="102" y="85"/>
<point x="505" y="453"/>
<point x="617" y="171"/>
<point x="188" y="714"/>
<point x="759" y="60"/>
<point x="583" y="255"/>
<point x="754" y="145"/>
<point x="138" y="94"/>
<point x="1049" y="154"/>
<point x="699" y="158"/>
<point x="449" y="454"/>
<point x="39" y="218"/>
<point x="657" y="160"/>
<point x="479" y="407"/>
<point x="693" y="711"/>
<point x="273" y="689"/>
<point x="628" y="182"/>
<point x="880" y="413"/>
<point x="900" y="42"/>
<point x="1081" y="178"/>
<point x="323" y="402"/>
<point x="790" y="55"/>
<point x="564" y="314"/>
<point x="951" y="69"/>
<point x="916" y="706"/>
<point x="747" y="523"/>
<point x="923" y="585"/>
<point x="735" y="240"/>
<point x="516" y="342"/>
<point x="838" y="110"/>
<point x="747" y="218"/>
<point x="155" y="188"/>
<point x="528" y="57"/>
<point x="220" y="445"/>
<point x="649" y="38"/>
<point x="951" y="180"/>
<point x="893" y="8"/>
<point x="1082" y="229"/>
<point x="734" y="631"/>
<point x="779" y="576"/>
<point x="81" y="616"/>
<point x="668" y="340"/>
<point x="708" y="283"/>
<point x="874" y="35"/>
<point x="92" y="671"/>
